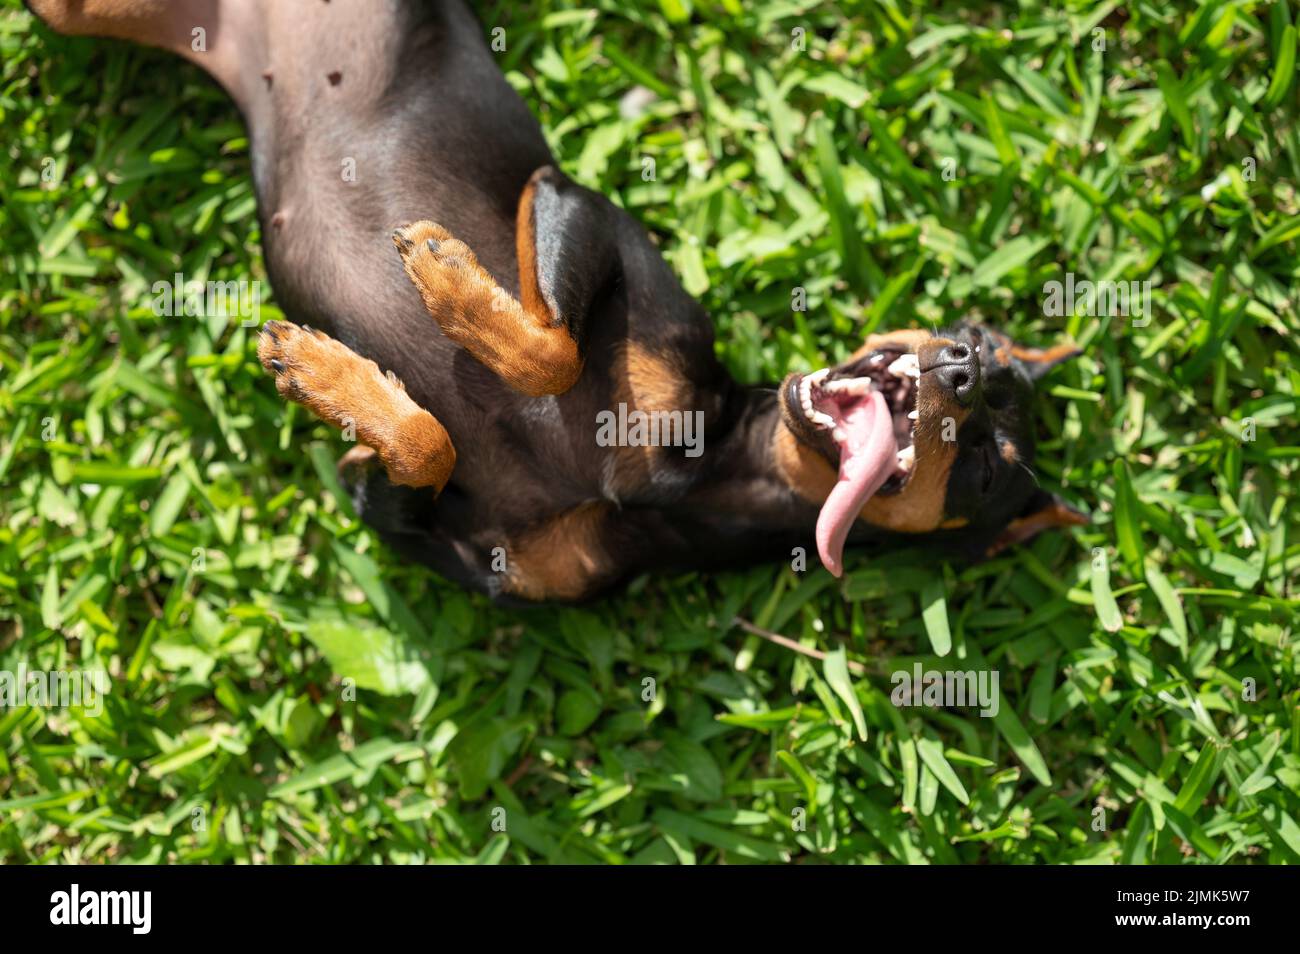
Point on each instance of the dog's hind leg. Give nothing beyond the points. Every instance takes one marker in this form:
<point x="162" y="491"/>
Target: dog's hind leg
<point x="213" y="34"/>
<point x="351" y="393"/>
<point x="567" y="257"/>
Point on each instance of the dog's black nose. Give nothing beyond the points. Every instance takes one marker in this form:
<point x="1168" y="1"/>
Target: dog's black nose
<point x="958" y="370"/>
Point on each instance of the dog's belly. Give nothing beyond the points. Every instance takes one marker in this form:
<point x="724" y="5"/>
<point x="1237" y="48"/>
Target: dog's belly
<point x="375" y="115"/>
<point x="372" y="115"/>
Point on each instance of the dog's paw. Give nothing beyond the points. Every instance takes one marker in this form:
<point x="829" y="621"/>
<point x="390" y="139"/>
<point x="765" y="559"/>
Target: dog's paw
<point x="458" y="292"/>
<point x="427" y="245"/>
<point x="532" y="354"/>
<point x="305" y="362"/>
<point x="369" y="405"/>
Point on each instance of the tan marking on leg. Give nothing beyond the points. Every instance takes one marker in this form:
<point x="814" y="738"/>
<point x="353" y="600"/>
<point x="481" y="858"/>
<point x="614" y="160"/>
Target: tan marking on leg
<point x="646" y="381"/>
<point x="347" y="390"/>
<point x="650" y="380"/>
<point x="530" y="291"/>
<point x="167" y="24"/>
<point x="143" y="21"/>
<point x="357" y="463"/>
<point x="359" y="456"/>
<point x="521" y="345"/>
<point x="563" y="558"/>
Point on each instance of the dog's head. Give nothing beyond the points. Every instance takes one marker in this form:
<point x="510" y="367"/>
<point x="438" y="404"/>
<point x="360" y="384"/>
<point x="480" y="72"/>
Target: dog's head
<point x="919" y="432"/>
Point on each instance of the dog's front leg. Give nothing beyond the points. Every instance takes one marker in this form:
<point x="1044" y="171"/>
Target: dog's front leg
<point x="567" y="257"/>
<point x="350" y="392"/>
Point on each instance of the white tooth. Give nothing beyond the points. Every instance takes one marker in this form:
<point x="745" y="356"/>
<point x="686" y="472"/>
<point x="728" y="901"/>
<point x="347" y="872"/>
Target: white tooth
<point x="906" y="366"/>
<point x="907" y="458"/>
<point x="911" y="415"/>
<point x="877" y="358"/>
<point x="819" y="418"/>
<point x="850" y="386"/>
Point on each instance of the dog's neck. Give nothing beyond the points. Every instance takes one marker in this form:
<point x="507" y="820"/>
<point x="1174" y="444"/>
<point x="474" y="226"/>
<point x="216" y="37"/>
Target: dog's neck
<point x="743" y="506"/>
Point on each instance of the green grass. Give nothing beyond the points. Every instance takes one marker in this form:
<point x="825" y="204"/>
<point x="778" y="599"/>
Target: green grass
<point x="298" y="695"/>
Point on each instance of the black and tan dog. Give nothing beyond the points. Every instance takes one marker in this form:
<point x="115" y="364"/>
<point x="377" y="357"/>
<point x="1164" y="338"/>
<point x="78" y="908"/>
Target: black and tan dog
<point x="473" y="360"/>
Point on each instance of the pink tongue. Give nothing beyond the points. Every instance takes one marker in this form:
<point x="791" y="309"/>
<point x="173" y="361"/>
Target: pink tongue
<point x="867" y="456"/>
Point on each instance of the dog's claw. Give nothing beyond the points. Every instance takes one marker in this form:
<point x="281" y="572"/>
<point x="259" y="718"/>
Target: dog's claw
<point x="277" y="366"/>
<point x="433" y="245"/>
<point x="401" y="241"/>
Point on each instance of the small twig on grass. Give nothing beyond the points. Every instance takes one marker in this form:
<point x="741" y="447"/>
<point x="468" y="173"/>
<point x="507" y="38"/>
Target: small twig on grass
<point x="520" y="770"/>
<point x="789" y="643"/>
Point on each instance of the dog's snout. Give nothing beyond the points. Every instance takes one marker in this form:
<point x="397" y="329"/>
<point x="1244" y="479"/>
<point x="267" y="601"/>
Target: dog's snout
<point x="956" y="368"/>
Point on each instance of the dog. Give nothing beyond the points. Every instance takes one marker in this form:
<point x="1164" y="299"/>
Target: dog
<point x="470" y="313"/>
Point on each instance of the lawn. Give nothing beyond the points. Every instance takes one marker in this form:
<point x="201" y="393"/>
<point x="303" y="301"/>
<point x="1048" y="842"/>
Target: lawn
<point x="284" y="690"/>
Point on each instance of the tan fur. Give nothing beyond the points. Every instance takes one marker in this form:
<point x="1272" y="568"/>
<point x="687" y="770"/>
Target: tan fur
<point x="906" y="339"/>
<point x="563" y="558"/>
<point x="648" y="381"/>
<point x="168" y="24"/>
<point x="124" y="19"/>
<point x="522" y="344"/>
<point x="1002" y="349"/>
<point x="345" y="389"/>
<point x="353" y="466"/>
<point x="530" y="291"/>
<point x="1051" y="517"/>
<point x="918" y="507"/>
<point x="805" y="471"/>
<point x="1044" y="355"/>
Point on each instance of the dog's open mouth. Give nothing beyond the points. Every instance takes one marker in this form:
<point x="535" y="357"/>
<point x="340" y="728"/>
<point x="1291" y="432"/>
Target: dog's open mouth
<point x="863" y="418"/>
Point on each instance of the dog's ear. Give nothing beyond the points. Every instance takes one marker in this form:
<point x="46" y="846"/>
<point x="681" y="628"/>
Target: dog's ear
<point x="1033" y="362"/>
<point x="1043" y="511"/>
<point x="1036" y="362"/>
